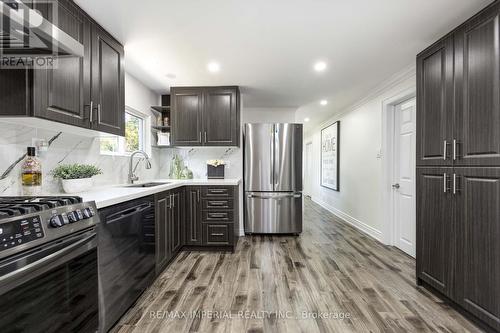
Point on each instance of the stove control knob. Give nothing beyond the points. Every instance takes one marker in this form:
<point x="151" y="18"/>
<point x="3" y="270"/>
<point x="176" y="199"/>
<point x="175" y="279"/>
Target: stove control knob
<point x="72" y="217"/>
<point x="86" y="214"/>
<point x="56" y="221"/>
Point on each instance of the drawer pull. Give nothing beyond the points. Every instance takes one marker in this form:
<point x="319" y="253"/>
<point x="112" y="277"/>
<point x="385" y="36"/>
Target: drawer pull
<point x="218" y="191"/>
<point x="218" y="215"/>
<point x="218" y="203"/>
<point x="217" y="234"/>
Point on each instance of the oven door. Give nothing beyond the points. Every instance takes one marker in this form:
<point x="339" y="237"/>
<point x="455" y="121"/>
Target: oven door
<point x="52" y="288"/>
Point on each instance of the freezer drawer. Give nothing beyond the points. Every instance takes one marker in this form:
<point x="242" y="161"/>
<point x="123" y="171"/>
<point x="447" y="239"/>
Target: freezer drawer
<point x="273" y="213"/>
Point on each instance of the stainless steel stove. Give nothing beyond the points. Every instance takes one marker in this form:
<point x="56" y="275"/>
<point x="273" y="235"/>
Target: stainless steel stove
<point x="48" y="264"/>
<point x="27" y="222"/>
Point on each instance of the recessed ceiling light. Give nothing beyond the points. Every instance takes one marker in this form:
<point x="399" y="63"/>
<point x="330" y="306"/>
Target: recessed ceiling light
<point x="306" y="119"/>
<point x="213" y="67"/>
<point x="323" y="102"/>
<point x="320" y="66"/>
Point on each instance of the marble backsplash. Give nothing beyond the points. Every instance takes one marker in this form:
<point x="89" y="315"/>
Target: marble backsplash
<point x="69" y="148"/>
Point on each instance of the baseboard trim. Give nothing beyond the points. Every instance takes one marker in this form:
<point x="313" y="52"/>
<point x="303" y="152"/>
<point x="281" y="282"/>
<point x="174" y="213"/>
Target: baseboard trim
<point x="361" y="226"/>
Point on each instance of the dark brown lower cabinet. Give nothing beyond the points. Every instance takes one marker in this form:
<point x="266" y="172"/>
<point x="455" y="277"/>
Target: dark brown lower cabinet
<point x="477" y="208"/>
<point x="458" y="237"/>
<point x="435" y="227"/>
<point x="193" y="215"/>
<point x="169" y="221"/>
<point x="212" y="216"/>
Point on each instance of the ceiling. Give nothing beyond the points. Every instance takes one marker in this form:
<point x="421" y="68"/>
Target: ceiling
<point x="269" y="47"/>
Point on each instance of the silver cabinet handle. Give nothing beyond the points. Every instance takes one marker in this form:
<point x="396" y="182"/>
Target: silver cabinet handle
<point x="455" y="184"/>
<point x="444" y="183"/>
<point x="217" y="234"/>
<point x="198" y="195"/>
<point x="445" y="145"/>
<point x="91" y="114"/>
<point x="199" y="137"/>
<point x="455" y="149"/>
<point x="205" y="137"/>
<point x="99" y="113"/>
<point x="217" y="215"/>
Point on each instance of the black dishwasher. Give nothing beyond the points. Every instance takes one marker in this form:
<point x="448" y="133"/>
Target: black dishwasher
<point x="126" y="257"/>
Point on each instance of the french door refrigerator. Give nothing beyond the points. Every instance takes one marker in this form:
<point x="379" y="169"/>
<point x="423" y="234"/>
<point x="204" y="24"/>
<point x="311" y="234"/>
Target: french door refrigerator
<point x="273" y="178"/>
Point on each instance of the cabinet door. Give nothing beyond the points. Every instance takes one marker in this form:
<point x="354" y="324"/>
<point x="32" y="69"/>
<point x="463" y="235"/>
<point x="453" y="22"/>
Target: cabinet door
<point x="193" y="216"/>
<point x="62" y="93"/>
<point x="478" y="91"/>
<point x="108" y="84"/>
<point x="162" y="212"/>
<point x="435" y="104"/>
<point x="478" y="219"/>
<point x="221" y="117"/>
<point x="176" y="222"/>
<point x="435" y="229"/>
<point x="186" y="113"/>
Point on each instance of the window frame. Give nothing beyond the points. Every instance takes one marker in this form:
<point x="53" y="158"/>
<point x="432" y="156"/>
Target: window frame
<point x="146" y="137"/>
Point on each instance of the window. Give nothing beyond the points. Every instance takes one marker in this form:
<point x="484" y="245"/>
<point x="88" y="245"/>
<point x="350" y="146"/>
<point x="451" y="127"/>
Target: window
<point x="135" y="124"/>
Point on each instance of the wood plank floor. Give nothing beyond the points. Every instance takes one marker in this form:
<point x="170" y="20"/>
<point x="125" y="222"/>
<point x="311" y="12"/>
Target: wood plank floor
<point x="330" y="279"/>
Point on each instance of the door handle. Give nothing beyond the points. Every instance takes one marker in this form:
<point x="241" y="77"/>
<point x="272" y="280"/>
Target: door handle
<point x="455" y="149"/>
<point x="271" y="158"/>
<point x="396" y="186"/>
<point x="445" y="182"/>
<point x="445" y="149"/>
<point x="456" y="189"/>
<point x="274" y="196"/>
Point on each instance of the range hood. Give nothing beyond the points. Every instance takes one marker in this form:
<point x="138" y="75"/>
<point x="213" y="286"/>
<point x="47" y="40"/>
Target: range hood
<point x="23" y="31"/>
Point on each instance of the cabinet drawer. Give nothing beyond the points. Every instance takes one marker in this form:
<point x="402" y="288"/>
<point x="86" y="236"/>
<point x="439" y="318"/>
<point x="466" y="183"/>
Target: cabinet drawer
<point x="218" y="203"/>
<point x="217" y="216"/>
<point x="211" y="192"/>
<point x="218" y="234"/>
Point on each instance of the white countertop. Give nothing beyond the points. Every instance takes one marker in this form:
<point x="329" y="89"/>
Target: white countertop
<point x="114" y="194"/>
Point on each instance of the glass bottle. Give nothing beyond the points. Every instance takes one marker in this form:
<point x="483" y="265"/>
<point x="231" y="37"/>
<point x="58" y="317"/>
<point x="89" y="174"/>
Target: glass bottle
<point x="31" y="173"/>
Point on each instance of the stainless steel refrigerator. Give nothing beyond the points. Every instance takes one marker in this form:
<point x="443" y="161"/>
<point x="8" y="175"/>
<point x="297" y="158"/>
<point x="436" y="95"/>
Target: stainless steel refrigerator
<point x="273" y="178"/>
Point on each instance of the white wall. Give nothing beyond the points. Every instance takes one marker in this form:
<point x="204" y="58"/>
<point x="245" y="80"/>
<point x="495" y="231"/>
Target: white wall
<point x="268" y="115"/>
<point x="359" y="200"/>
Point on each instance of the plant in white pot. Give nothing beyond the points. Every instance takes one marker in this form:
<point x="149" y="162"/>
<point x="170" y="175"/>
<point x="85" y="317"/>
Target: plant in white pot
<point x="76" y="178"/>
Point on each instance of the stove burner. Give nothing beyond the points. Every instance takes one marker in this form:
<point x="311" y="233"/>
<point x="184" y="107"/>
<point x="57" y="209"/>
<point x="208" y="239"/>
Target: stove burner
<point x="15" y="206"/>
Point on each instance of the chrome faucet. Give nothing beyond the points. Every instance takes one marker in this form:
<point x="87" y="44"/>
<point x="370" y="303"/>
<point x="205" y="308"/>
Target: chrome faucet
<point x="131" y="172"/>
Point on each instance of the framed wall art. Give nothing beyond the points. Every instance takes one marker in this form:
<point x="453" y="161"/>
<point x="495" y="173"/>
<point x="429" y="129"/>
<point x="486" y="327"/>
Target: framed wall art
<point x="330" y="156"/>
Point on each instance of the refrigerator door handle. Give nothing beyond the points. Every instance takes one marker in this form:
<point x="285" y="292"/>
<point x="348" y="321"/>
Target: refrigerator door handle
<point x="271" y="158"/>
<point x="282" y="196"/>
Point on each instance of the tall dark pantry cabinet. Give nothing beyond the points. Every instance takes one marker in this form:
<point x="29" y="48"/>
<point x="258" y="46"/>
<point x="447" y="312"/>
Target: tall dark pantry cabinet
<point x="458" y="167"/>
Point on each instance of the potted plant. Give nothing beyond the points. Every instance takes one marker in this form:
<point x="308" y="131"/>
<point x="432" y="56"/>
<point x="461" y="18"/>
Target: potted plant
<point x="76" y="177"/>
<point x="215" y="169"/>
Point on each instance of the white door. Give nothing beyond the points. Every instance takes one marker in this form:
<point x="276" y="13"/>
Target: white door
<point x="308" y="174"/>
<point x="404" y="176"/>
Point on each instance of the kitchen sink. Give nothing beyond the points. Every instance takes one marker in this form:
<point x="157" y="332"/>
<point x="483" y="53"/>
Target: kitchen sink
<point x="152" y="184"/>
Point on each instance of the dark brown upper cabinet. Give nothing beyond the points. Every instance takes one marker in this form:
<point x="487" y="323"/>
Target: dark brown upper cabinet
<point x="477" y="82"/>
<point x="205" y="116"/>
<point x="458" y="81"/>
<point x="63" y="93"/>
<point x="87" y="92"/>
<point x="435" y="104"/>
<point x="221" y="118"/>
<point x="187" y="113"/>
<point x="108" y="83"/>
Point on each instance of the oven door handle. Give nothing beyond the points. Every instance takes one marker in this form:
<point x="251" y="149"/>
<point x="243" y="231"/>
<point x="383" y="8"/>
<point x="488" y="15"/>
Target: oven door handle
<point x="46" y="260"/>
